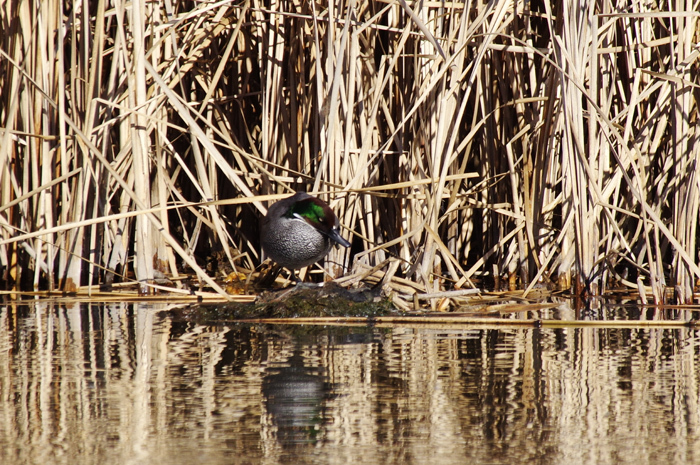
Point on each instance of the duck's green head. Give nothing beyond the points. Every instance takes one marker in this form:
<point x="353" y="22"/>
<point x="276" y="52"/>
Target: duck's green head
<point x="312" y="210"/>
<point x="318" y="214"/>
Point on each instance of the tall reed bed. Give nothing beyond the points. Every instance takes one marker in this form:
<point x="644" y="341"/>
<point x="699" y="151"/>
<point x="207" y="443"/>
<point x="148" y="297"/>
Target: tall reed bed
<point x="461" y="144"/>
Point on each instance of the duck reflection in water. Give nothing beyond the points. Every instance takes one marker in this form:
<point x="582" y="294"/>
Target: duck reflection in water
<point x="294" y="397"/>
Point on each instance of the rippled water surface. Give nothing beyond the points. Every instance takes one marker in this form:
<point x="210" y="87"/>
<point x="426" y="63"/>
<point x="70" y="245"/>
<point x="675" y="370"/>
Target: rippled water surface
<point x="130" y="384"/>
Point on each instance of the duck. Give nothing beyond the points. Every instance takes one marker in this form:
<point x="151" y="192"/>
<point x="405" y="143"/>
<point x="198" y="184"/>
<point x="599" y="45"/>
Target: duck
<point x="299" y="231"/>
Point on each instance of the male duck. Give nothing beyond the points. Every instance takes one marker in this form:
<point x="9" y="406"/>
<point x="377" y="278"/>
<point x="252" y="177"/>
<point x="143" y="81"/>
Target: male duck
<point x="299" y="231"/>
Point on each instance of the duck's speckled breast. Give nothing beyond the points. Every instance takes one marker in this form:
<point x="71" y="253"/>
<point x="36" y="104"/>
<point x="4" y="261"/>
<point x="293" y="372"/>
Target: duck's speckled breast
<point x="293" y="243"/>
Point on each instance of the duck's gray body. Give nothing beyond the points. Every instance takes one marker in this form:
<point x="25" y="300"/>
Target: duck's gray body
<point x="299" y="231"/>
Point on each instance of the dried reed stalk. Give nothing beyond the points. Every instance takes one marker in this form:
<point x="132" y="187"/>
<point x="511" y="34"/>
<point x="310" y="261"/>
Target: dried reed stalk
<point x="461" y="144"/>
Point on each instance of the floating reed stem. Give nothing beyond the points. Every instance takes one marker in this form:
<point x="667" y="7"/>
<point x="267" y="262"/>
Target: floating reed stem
<point x="441" y="320"/>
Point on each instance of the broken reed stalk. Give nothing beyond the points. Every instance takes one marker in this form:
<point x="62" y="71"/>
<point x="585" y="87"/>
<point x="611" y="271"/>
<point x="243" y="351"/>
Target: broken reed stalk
<point x="458" y="144"/>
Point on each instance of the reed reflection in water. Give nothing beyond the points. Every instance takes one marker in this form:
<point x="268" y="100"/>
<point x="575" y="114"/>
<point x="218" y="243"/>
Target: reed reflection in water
<point x="130" y="384"/>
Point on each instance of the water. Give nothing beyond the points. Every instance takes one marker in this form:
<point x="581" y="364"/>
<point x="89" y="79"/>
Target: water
<point x="130" y="384"/>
